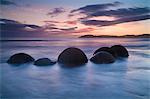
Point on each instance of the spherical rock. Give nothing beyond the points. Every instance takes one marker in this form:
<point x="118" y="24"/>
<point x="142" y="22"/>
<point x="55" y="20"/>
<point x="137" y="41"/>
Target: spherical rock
<point x="72" y="56"/>
<point x="44" y="62"/>
<point x="119" y="51"/>
<point x="107" y="49"/>
<point x="20" y="58"/>
<point x="103" y="57"/>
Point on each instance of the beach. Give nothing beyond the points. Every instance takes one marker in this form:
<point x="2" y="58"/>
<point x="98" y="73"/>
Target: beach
<point x="127" y="78"/>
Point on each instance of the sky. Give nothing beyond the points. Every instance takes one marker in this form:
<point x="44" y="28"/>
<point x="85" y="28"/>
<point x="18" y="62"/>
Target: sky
<point x="73" y="18"/>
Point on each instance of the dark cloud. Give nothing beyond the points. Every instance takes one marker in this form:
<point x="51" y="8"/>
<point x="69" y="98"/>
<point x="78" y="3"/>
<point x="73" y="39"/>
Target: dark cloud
<point x="7" y="21"/>
<point x="94" y="8"/>
<point x="16" y="24"/>
<point x="56" y="11"/>
<point x="11" y="28"/>
<point x="49" y="22"/>
<point x="122" y="12"/>
<point x="33" y="26"/>
<point x="118" y="21"/>
<point x="69" y="29"/>
<point x="6" y="2"/>
<point x="49" y="27"/>
<point x="122" y="15"/>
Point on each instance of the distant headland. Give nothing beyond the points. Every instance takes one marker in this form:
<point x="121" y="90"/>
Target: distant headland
<point x="111" y="36"/>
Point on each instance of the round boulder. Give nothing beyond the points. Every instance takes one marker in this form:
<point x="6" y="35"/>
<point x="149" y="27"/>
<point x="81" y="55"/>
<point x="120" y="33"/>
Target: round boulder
<point x="119" y="51"/>
<point x="20" y="58"/>
<point x="44" y="62"/>
<point x="72" y="56"/>
<point x="107" y="49"/>
<point x="103" y="57"/>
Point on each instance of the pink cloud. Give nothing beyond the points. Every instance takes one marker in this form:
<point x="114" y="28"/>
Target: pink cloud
<point x="71" y="22"/>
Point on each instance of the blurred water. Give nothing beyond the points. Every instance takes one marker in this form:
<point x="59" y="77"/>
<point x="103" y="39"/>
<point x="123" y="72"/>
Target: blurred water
<point x="124" y="79"/>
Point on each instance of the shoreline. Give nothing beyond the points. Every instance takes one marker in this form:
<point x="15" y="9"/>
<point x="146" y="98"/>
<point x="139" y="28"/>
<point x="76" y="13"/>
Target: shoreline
<point x="111" y="36"/>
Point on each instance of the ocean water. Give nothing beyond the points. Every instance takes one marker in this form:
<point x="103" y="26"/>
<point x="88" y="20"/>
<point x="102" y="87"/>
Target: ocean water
<point x="125" y="79"/>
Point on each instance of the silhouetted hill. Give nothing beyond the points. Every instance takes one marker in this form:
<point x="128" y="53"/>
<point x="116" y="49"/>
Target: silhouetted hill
<point x="110" y="36"/>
